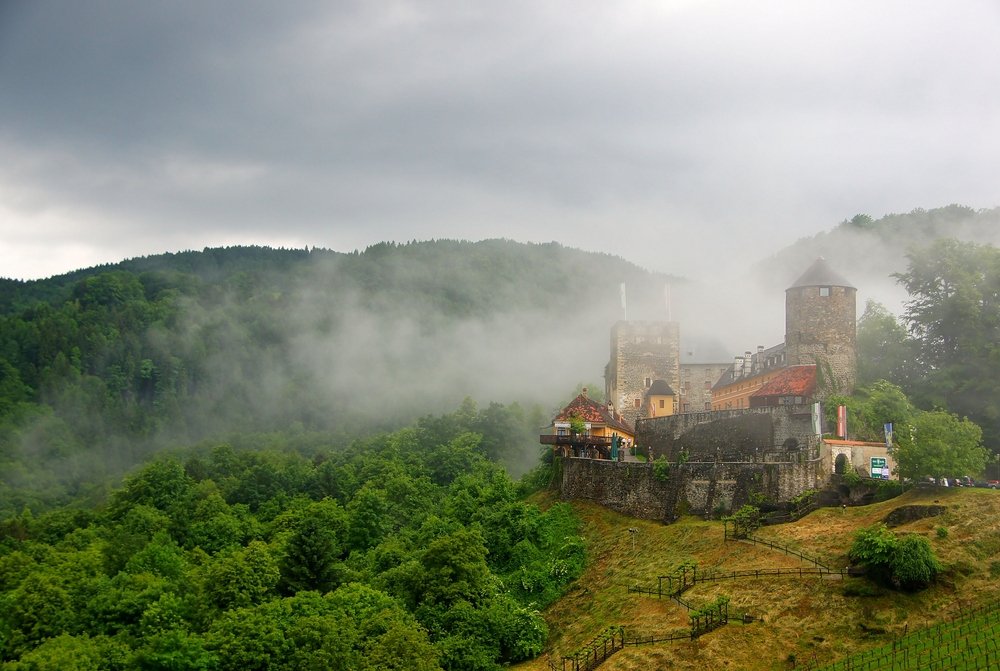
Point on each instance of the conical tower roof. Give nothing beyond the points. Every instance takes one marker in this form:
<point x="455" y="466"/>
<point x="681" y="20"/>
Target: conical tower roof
<point x="820" y="274"/>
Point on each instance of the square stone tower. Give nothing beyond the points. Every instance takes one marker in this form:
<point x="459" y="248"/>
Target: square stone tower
<point x="641" y="352"/>
<point x="821" y="328"/>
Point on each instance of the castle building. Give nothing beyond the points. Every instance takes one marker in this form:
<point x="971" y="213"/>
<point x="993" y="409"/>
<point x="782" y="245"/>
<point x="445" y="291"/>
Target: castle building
<point x="818" y="357"/>
<point x="697" y="380"/>
<point x="641" y="352"/>
<point x="602" y="425"/>
<point x="660" y="400"/>
<point x="821" y="327"/>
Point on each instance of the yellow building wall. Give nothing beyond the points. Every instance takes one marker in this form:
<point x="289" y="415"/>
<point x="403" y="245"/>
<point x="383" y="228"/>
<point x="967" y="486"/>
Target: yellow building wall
<point x="660" y="406"/>
<point x="737" y="395"/>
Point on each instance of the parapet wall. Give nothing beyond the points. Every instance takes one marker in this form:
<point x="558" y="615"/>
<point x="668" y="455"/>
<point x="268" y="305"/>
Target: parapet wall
<point x="701" y="488"/>
<point x="750" y="434"/>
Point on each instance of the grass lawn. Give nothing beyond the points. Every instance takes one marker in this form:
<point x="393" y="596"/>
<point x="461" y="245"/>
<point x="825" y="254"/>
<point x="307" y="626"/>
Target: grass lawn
<point x="808" y="618"/>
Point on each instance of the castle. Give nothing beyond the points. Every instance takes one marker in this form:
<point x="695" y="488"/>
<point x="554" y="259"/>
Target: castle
<point x="817" y="358"/>
<point x="749" y="430"/>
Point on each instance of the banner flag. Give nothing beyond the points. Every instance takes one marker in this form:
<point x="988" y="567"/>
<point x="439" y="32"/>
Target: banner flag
<point x="888" y="436"/>
<point x="842" y="421"/>
<point x="624" y="304"/>
<point x="817" y="419"/>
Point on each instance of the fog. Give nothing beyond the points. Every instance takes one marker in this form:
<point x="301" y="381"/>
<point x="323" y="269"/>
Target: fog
<point x="361" y="343"/>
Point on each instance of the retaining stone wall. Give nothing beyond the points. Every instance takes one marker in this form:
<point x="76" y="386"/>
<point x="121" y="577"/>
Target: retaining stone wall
<point x="752" y="434"/>
<point x="633" y="489"/>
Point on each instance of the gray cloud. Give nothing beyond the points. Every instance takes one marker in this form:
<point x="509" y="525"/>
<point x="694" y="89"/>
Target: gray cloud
<point x="671" y="133"/>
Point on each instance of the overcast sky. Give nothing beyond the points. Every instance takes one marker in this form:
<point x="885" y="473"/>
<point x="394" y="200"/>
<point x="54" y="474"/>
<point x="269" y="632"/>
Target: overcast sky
<point x="675" y="134"/>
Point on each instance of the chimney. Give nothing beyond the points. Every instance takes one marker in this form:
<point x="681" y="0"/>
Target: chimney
<point x="585" y="392"/>
<point x="738" y="367"/>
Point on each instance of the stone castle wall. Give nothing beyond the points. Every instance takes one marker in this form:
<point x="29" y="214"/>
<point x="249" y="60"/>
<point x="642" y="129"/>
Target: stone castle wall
<point x="697" y="380"/>
<point x="641" y="350"/>
<point x="822" y="330"/>
<point x="748" y="434"/>
<point x="700" y="488"/>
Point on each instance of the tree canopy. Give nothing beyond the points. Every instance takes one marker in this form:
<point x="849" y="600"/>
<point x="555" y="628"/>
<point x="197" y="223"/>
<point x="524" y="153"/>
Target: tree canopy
<point x="366" y="555"/>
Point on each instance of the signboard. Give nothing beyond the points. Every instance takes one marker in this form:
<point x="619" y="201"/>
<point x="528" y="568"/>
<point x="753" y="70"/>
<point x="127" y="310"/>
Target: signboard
<point x="879" y="468"/>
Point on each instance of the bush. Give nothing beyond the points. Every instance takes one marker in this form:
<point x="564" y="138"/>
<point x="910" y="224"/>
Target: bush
<point x="887" y="489"/>
<point x="942" y="532"/>
<point x="906" y="563"/>
<point x="661" y="469"/>
<point x="914" y="565"/>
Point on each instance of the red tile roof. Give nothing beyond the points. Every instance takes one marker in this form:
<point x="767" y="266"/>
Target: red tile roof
<point x="830" y="441"/>
<point x="793" y="381"/>
<point x="593" y="412"/>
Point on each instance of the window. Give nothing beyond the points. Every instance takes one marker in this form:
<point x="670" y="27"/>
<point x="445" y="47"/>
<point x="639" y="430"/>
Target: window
<point x="687" y="407"/>
<point x="638" y="403"/>
<point x="708" y="384"/>
<point x="824" y="291"/>
<point x="649" y="382"/>
<point x="661" y="402"/>
<point x="562" y="432"/>
<point x="708" y="405"/>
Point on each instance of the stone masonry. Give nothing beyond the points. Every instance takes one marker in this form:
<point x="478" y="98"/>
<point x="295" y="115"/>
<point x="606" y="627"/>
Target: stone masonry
<point x="700" y="488"/>
<point x="821" y="329"/>
<point x="768" y="433"/>
<point x="640" y="353"/>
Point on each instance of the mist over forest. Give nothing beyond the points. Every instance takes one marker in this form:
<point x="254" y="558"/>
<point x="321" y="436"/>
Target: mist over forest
<point x="103" y="366"/>
<point x="247" y="457"/>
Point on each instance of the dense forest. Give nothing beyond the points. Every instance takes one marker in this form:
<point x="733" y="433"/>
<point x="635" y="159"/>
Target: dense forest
<point x="944" y="351"/>
<point x="408" y="550"/>
<point x="102" y="366"/>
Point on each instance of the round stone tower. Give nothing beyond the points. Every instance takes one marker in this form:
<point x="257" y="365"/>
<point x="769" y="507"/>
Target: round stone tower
<point x="820" y="328"/>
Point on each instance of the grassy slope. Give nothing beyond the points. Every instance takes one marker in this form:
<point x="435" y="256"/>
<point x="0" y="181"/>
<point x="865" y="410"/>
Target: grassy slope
<point x="808" y="618"/>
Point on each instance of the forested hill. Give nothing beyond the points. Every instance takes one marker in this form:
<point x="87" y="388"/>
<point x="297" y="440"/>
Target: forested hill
<point x="869" y="250"/>
<point x="101" y="366"/>
<point x="210" y="265"/>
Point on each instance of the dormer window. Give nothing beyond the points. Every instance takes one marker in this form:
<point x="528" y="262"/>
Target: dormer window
<point x="824" y="292"/>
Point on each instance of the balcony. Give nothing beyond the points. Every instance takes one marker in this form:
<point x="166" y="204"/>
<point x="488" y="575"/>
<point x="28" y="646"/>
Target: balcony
<point x="580" y="445"/>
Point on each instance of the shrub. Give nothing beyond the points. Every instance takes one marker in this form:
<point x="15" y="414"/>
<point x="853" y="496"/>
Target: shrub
<point x="746" y="518"/>
<point x="914" y="564"/>
<point x="661" y="469"/>
<point x="887" y="489"/>
<point x="942" y="532"/>
<point x="906" y="563"/>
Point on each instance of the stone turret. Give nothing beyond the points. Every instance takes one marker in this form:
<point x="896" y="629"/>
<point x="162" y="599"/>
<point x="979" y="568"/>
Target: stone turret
<point x="820" y="328"/>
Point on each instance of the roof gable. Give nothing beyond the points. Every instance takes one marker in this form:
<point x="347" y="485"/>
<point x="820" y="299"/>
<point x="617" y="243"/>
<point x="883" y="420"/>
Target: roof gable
<point x="592" y="412"/>
<point x="820" y="274"/>
<point x="660" y="388"/>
